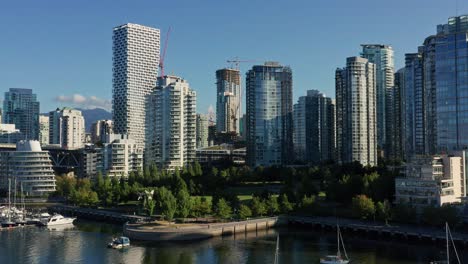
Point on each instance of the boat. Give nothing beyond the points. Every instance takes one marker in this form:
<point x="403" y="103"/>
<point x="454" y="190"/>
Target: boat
<point x="120" y="242"/>
<point x="58" y="219"/>
<point x="337" y="259"/>
<point x="7" y="222"/>
<point x="448" y="236"/>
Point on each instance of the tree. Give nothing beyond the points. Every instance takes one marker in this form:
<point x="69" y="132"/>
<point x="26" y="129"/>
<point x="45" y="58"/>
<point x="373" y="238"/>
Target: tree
<point x="201" y="207"/>
<point x="223" y="210"/>
<point x="363" y="206"/>
<point x="258" y="207"/>
<point x="166" y="203"/>
<point x="184" y="203"/>
<point x="244" y="212"/>
<point x="272" y="205"/>
<point x="307" y="202"/>
<point x="285" y="205"/>
<point x="384" y="211"/>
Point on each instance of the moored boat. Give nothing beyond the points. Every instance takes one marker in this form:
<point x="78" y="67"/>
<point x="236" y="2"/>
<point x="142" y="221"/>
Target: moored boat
<point x="337" y="259"/>
<point x="58" y="219"/>
<point x="120" y="242"/>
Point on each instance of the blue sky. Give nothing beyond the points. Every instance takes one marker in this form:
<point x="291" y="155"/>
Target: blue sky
<point x="63" y="49"/>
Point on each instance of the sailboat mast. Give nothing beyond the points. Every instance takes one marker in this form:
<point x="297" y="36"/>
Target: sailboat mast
<point x="22" y="201"/>
<point x="14" y="200"/>
<point x="277" y="250"/>
<point x="447" y="239"/>
<point x="338" y="239"/>
<point x="9" y="199"/>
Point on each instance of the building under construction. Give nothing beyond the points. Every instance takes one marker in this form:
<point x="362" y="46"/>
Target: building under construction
<point x="228" y="100"/>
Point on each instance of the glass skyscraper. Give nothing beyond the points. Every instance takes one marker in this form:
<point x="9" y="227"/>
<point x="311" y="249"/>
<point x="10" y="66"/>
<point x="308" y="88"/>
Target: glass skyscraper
<point x="451" y="79"/>
<point x="20" y="107"/>
<point x="269" y="123"/>
<point x="414" y="109"/>
<point x="382" y="57"/>
<point x="314" y="128"/>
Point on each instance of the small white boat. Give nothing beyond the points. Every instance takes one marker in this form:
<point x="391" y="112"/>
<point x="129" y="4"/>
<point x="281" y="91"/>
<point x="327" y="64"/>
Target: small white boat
<point x="120" y="242"/>
<point x="336" y="259"/>
<point x="58" y="219"/>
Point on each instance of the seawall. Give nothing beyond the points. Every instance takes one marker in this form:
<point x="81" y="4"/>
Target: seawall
<point x="196" y="232"/>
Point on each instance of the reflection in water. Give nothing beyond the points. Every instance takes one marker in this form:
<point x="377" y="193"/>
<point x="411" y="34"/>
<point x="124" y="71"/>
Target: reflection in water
<point x="86" y="243"/>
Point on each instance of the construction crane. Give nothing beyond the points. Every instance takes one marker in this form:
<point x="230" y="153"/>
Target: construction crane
<point x="236" y="61"/>
<point x="161" y="60"/>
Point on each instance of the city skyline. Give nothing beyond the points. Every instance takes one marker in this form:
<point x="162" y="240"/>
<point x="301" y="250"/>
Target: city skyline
<point x="81" y="70"/>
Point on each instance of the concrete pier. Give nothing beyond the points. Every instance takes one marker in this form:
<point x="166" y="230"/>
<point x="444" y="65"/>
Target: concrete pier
<point x="197" y="232"/>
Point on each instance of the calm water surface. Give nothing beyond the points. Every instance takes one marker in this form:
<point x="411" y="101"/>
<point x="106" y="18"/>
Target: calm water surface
<point x="85" y="242"/>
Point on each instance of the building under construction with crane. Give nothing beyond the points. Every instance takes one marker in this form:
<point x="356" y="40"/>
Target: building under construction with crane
<point x="228" y="100"/>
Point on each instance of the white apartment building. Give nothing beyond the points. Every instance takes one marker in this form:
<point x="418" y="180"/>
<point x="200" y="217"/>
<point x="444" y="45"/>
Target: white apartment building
<point x="67" y="128"/>
<point x="135" y="68"/>
<point x="30" y="167"/>
<point x="120" y="156"/>
<point x="44" y="130"/>
<point x="433" y="181"/>
<point x="171" y="134"/>
<point x="356" y="124"/>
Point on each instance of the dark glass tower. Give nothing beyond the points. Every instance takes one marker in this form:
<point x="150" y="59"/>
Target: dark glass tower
<point x="21" y="108"/>
<point x="269" y="115"/>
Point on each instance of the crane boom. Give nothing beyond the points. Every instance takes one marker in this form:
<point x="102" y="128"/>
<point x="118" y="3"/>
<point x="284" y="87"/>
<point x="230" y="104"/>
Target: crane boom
<point x="161" y="60"/>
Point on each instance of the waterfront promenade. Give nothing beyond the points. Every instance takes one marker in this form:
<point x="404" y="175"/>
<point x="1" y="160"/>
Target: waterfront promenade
<point x="139" y="227"/>
<point x="380" y="229"/>
<point x="97" y="214"/>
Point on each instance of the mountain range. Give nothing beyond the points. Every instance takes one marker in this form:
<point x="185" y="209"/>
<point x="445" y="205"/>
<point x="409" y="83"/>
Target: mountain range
<point x="92" y="115"/>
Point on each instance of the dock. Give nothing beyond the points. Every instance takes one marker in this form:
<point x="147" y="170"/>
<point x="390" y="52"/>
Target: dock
<point x="97" y="214"/>
<point x="152" y="232"/>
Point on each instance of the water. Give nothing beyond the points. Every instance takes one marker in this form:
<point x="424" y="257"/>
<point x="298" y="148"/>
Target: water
<point x="86" y="243"/>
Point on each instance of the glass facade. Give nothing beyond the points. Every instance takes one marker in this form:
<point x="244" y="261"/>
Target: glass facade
<point x="414" y="126"/>
<point x="269" y="115"/>
<point x="451" y="77"/>
<point x="383" y="59"/>
<point x="21" y="108"/>
<point x="314" y="128"/>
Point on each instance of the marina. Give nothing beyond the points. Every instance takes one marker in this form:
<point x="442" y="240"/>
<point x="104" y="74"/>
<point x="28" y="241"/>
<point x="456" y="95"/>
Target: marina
<point x="86" y="242"/>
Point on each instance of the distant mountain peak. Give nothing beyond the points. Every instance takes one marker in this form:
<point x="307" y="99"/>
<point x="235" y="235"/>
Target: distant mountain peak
<point x="92" y="115"/>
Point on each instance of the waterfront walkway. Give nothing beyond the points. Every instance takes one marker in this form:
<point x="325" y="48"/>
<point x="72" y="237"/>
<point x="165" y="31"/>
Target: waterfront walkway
<point x="97" y="214"/>
<point x="392" y="230"/>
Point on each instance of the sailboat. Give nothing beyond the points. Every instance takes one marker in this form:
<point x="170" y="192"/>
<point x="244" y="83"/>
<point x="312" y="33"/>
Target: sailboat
<point x="8" y="222"/>
<point x="337" y="259"/>
<point x="448" y="235"/>
<point x="21" y="214"/>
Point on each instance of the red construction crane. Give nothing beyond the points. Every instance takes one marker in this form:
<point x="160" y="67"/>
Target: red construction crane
<point x="161" y="60"/>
